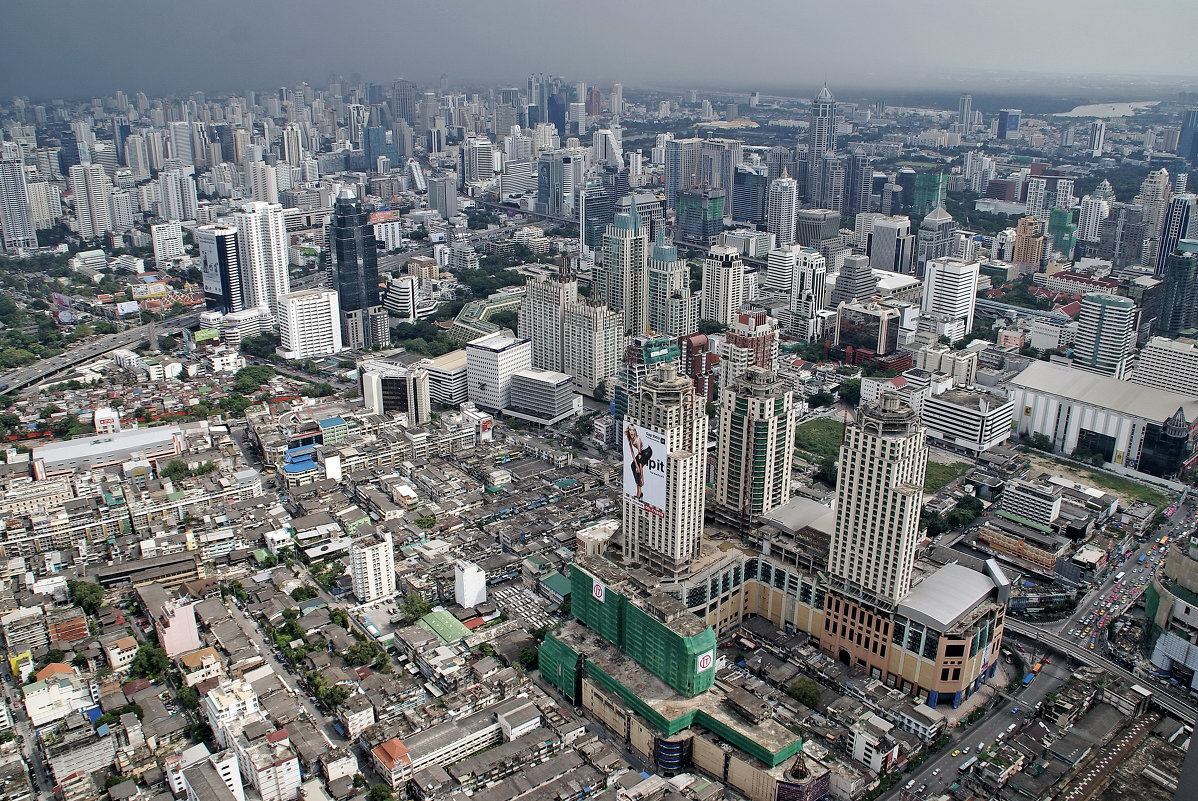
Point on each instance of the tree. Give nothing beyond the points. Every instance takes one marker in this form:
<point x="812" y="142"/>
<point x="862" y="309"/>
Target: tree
<point x="821" y="399"/>
<point x="529" y="657"/>
<point x="426" y="522"/>
<point x="249" y="379"/>
<point x="1040" y="442"/>
<point x="175" y="470"/>
<point x="235" y="404"/>
<point x="261" y="346"/>
<point x="805" y="691"/>
<point x="86" y="595"/>
<point x="149" y="662"/>
<point x="303" y="593"/>
<point x="850" y="391"/>
<point x="189" y="698"/>
<point x="319" y="390"/>
<point x="380" y="792"/>
<point x="711" y="327"/>
<point x="415" y="607"/>
<point x="827" y="471"/>
<point x="360" y="780"/>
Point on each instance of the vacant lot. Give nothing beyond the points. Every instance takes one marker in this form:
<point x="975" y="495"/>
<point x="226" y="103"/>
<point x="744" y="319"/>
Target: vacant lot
<point x="1125" y="488"/>
<point x="819" y="439"/>
<point x="940" y="474"/>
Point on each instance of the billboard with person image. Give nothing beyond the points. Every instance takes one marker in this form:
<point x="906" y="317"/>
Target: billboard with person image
<point x="645" y="467"/>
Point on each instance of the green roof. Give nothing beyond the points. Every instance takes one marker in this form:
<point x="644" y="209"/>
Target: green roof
<point x="445" y="626"/>
<point x="558" y="583"/>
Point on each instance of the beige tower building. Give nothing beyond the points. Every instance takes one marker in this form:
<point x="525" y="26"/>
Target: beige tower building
<point x="879" y="493"/>
<point x="664" y="441"/>
<point x="756" y="446"/>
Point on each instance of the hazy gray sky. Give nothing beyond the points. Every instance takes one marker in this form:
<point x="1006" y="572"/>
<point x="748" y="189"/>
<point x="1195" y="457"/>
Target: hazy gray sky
<point x="78" y="48"/>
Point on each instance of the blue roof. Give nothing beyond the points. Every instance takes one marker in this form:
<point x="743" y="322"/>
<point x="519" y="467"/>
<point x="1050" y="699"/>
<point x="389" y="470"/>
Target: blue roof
<point x="331" y="422"/>
<point x="300" y="466"/>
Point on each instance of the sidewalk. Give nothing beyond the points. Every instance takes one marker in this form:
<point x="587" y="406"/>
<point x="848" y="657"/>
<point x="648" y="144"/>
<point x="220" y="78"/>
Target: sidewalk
<point x="982" y="697"/>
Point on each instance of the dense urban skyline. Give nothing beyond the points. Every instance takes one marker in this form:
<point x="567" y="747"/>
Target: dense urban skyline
<point x="219" y="46"/>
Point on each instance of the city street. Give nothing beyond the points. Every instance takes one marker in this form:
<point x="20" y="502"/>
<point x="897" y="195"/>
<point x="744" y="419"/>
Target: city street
<point x="1051" y="677"/>
<point x="323" y="723"/>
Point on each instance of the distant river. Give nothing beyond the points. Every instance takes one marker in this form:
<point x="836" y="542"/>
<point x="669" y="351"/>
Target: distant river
<point x="1109" y="110"/>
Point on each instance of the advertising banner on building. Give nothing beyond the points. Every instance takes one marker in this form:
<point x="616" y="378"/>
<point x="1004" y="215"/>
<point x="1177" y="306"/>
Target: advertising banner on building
<point x="127" y="307"/>
<point x="705" y="661"/>
<point x="598" y="591"/>
<point x="645" y="468"/>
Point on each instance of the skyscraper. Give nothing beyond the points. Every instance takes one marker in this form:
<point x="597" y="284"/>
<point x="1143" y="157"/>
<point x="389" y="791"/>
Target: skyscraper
<point x="755" y="455"/>
<point x="1008" y="123"/>
<point x="354" y="268"/>
<point x="673" y="310"/>
<point x="263" y="182"/>
<point x="821" y="140"/>
<point x="752" y="340"/>
<point x="891" y="244"/>
<point x="91" y="188"/>
<point x="220" y="267"/>
<point x="783" y="203"/>
<point x="682" y="165"/>
<point x="1178" y="225"/>
<point x="723" y="284"/>
<point x="1187" y="142"/>
<point x="1153" y="198"/>
<point x="372" y="565"/>
<point x="540" y="319"/>
<point x="16" y="219"/>
<point x="664" y="436"/>
<point x="443" y="196"/>
<point x="950" y="290"/>
<point x="262" y="250"/>
<point x="855" y="282"/>
<point x="1029" y="242"/>
<point x="592" y="343"/>
<point x="1097" y="137"/>
<point x="965" y="111"/>
<point x="935" y="238"/>
<point x="622" y="279"/>
<point x="403" y="101"/>
<point x="1179" y="310"/>
<point x="1094" y="209"/>
<point x="309" y="324"/>
<point x="879" y="492"/>
<point x="1106" y="333"/>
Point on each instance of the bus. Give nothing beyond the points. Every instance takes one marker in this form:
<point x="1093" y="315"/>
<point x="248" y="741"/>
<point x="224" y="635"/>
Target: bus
<point x="967" y="764"/>
<point x="1119" y="576"/>
<point x="1143" y="556"/>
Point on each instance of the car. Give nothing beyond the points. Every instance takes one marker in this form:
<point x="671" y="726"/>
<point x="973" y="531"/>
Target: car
<point x="956" y="752"/>
<point x="921" y="788"/>
<point x="981" y="746"/>
<point x="1015" y="710"/>
<point x="965" y="750"/>
<point x="909" y="785"/>
<point x="936" y="772"/>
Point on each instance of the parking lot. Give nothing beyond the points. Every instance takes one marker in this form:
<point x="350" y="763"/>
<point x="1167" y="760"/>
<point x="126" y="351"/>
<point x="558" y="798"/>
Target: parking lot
<point x="520" y="602"/>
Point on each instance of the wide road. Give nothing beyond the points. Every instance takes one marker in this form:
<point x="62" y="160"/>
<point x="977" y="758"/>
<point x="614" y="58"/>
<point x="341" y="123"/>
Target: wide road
<point x="940" y="771"/>
<point x="1163" y="697"/>
<point x="39" y="371"/>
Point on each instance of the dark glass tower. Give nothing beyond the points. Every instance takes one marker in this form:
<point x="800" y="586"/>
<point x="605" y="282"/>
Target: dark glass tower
<point x="354" y="266"/>
<point x="354" y="255"/>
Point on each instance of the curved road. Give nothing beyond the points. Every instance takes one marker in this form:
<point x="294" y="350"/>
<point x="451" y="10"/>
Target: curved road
<point x="37" y="372"/>
<point x="1174" y="705"/>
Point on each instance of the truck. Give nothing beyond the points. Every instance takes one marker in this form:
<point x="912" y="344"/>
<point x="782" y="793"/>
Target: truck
<point x="1143" y="557"/>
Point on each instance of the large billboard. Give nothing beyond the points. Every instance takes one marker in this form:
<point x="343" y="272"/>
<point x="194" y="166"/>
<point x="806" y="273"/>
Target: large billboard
<point x="127" y="307"/>
<point x="645" y="468"/>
